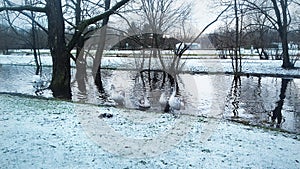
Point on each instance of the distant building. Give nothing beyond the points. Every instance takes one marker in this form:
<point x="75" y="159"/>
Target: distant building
<point x="147" y="40"/>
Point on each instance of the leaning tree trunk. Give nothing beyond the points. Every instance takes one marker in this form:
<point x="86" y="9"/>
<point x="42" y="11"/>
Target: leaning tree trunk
<point x="100" y="50"/>
<point x="61" y="70"/>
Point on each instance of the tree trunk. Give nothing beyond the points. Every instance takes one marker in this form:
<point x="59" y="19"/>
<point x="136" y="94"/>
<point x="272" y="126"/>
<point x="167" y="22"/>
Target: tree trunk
<point x="286" y="63"/>
<point x="34" y="47"/>
<point x="100" y="50"/>
<point x="282" y="23"/>
<point x="61" y="70"/>
<point x="237" y="34"/>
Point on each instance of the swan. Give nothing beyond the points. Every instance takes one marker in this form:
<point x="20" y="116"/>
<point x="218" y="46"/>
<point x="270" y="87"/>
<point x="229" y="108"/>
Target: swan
<point x="163" y="100"/>
<point x="175" y="101"/>
<point x="144" y="103"/>
<point x="118" y="97"/>
<point x="38" y="83"/>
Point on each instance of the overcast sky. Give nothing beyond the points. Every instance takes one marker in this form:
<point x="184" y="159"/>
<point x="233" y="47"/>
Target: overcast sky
<point x="202" y="14"/>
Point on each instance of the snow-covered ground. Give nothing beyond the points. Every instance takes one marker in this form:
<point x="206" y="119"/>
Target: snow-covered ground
<point x="39" y="133"/>
<point x="192" y="65"/>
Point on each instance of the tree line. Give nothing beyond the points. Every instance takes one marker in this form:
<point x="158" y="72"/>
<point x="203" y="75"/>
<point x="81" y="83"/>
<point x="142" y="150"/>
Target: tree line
<point x="12" y="38"/>
<point x="259" y="22"/>
<point x="259" y="41"/>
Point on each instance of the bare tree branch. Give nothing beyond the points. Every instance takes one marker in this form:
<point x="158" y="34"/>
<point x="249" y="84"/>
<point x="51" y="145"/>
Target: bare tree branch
<point x="84" y="24"/>
<point x="263" y="10"/>
<point x="203" y="30"/>
<point x="24" y="8"/>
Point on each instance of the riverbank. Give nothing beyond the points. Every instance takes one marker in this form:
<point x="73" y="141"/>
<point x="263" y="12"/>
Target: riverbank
<point x="48" y="133"/>
<point x="199" y="64"/>
<point x="38" y="132"/>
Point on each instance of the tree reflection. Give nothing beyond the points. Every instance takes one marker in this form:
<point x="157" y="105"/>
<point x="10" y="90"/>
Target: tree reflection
<point x="277" y="112"/>
<point x="155" y="87"/>
<point x="235" y="94"/>
<point x="81" y="76"/>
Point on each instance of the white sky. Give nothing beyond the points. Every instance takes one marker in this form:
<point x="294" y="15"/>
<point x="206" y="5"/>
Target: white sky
<point x="203" y="13"/>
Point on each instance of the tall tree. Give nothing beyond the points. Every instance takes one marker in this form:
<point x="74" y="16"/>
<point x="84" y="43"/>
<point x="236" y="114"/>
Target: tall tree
<point x="100" y="49"/>
<point x="60" y="49"/>
<point x="61" y="75"/>
<point x="281" y="12"/>
<point x="157" y="18"/>
<point x="161" y="15"/>
<point x="278" y="14"/>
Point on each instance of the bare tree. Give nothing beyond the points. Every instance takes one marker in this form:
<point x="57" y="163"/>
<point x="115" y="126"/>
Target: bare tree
<point x="161" y="15"/>
<point x="279" y="16"/>
<point x="155" y="19"/>
<point x="257" y="32"/>
<point x="59" y="48"/>
<point x="283" y="20"/>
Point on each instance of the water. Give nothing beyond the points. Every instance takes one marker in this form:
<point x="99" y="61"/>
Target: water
<point x="263" y="101"/>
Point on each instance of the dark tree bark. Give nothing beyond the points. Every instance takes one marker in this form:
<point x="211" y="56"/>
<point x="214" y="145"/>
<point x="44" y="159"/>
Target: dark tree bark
<point x="61" y="73"/>
<point x="282" y="22"/>
<point x="34" y="47"/>
<point x="60" y="51"/>
<point x="277" y="111"/>
<point x="237" y="34"/>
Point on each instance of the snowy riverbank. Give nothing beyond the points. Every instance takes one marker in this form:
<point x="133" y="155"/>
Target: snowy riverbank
<point x="206" y="65"/>
<point x="40" y="133"/>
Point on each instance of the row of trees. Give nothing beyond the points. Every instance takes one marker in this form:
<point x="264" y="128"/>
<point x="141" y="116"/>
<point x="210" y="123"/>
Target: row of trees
<point x="254" y="22"/>
<point x="12" y="38"/>
<point x="259" y="40"/>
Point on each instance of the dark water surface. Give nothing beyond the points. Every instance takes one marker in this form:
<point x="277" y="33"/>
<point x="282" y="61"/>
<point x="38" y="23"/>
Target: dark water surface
<point x="264" y="101"/>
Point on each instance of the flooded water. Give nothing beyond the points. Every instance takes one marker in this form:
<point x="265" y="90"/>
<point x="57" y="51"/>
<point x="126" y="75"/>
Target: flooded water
<point x="263" y="101"/>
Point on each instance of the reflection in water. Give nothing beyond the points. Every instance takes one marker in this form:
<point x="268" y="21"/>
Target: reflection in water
<point x="256" y="100"/>
<point x="81" y="76"/>
<point x="235" y="94"/>
<point x="155" y="88"/>
<point x="40" y="83"/>
<point x="277" y="114"/>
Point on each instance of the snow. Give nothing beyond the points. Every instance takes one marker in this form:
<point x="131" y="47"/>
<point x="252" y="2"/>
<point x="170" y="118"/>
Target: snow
<point x="23" y="59"/>
<point x="48" y="133"/>
<point x="271" y="67"/>
<point x="41" y="133"/>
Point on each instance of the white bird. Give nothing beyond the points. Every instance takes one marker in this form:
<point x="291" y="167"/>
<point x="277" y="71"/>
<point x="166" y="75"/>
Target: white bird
<point x="163" y="100"/>
<point x="175" y="101"/>
<point x="144" y="103"/>
<point x="117" y="96"/>
<point x="38" y="83"/>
